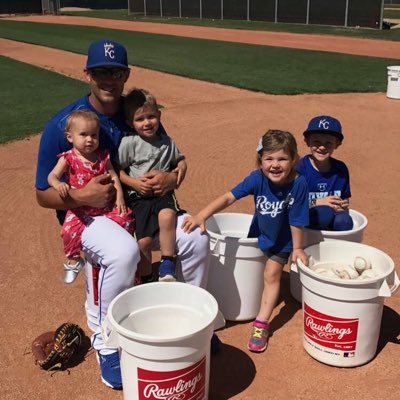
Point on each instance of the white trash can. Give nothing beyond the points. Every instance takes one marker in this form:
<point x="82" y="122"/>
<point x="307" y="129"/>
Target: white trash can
<point x="393" y="86"/>
<point x="163" y="331"/>
<point x="312" y="236"/>
<point x="342" y="317"/>
<point x="236" y="276"/>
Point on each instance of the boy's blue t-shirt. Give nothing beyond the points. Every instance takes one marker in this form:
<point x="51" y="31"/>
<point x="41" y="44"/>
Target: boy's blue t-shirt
<point x="54" y="142"/>
<point x="276" y="209"/>
<point x="335" y="182"/>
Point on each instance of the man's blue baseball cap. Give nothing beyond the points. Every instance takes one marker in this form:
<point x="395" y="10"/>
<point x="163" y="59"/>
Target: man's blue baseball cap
<point x="107" y="53"/>
<point x="325" y="124"/>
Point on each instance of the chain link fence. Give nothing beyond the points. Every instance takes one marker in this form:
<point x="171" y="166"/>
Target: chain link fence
<point x="365" y="13"/>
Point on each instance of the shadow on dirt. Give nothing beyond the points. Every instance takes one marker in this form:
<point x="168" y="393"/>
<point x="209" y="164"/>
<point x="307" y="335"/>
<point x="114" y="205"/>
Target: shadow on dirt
<point x="390" y="328"/>
<point x="232" y="371"/>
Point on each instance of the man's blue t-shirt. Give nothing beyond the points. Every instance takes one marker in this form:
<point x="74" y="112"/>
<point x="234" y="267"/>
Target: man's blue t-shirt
<point x="335" y="182"/>
<point x="276" y="209"/>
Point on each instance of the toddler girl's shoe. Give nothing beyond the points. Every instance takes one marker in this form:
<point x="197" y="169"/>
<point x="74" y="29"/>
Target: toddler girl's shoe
<point x="71" y="271"/>
<point x="259" y="336"/>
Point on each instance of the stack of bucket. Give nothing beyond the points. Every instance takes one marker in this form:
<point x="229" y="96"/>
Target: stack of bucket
<point x="236" y="277"/>
<point x="163" y="332"/>
<point x="393" y="86"/>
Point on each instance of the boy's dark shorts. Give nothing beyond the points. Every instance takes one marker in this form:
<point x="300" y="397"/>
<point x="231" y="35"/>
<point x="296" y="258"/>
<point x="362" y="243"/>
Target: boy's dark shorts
<point x="146" y="210"/>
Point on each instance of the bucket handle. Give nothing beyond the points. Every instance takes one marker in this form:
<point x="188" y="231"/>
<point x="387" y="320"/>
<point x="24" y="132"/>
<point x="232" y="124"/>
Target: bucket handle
<point x="214" y="246"/>
<point x="110" y="339"/>
<point x="386" y="291"/>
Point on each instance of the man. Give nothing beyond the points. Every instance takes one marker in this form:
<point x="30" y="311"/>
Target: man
<point x="112" y="251"/>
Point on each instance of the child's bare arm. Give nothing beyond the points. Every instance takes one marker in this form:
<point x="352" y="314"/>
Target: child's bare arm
<point x="120" y="201"/>
<point x="297" y="239"/>
<point x="180" y="169"/>
<point x="190" y="223"/>
<point x="55" y="175"/>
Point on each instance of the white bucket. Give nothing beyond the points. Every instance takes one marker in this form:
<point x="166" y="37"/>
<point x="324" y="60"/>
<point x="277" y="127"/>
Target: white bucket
<point x="342" y="318"/>
<point x="163" y="331"/>
<point x="393" y="87"/>
<point x="312" y="236"/>
<point x="236" y="277"/>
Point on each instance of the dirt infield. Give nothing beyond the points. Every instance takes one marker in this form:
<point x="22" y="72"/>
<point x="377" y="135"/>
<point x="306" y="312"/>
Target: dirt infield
<point x="217" y="127"/>
<point x="339" y="44"/>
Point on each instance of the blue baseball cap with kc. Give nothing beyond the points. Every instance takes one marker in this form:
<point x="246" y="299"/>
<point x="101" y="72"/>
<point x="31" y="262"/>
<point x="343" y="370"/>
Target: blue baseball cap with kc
<point x="325" y="124"/>
<point x="107" y="53"/>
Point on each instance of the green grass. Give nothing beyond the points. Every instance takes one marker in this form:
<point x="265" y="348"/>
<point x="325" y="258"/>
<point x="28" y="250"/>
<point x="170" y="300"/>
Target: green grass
<point x="29" y="96"/>
<point x="393" y="34"/>
<point x="267" y="69"/>
<point x="394" y="14"/>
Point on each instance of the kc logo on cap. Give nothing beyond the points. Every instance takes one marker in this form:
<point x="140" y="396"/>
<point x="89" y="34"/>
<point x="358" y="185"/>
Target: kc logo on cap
<point x="109" y="50"/>
<point x="325" y="124"/>
<point x="107" y="53"/>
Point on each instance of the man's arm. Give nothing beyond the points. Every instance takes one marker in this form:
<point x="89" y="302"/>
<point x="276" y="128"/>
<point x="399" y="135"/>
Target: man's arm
<point x="99" y="192"/>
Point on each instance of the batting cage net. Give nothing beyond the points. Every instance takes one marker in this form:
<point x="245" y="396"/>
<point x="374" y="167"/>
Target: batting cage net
<point x="366" y="13"/>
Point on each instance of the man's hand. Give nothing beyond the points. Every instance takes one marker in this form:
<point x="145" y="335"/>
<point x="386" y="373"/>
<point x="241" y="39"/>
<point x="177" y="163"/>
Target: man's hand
<point x="161" y="182"/>
<point x="99" y="192"/>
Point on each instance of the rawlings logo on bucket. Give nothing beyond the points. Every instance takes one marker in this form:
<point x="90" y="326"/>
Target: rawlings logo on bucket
<point x="329" y="331"/>
<point x="184" y="384"/>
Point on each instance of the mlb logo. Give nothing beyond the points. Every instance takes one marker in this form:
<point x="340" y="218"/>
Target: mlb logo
<point x="349" y="354"/>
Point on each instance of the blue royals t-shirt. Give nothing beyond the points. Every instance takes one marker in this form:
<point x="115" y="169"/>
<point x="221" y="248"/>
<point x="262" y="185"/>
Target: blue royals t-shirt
<point x="335" y="182"/>
<point x="276" y="209"/>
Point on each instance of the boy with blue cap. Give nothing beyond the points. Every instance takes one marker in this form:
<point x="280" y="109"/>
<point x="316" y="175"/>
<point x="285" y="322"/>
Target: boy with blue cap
<point x="327" y="178"/>
<point x="114" y="251"/>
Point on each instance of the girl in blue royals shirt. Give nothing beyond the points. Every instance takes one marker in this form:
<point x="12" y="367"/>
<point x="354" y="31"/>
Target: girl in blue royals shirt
<point x="281" y="212"/>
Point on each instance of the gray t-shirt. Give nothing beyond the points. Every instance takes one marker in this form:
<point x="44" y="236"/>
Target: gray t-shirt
<point x="137" y="156"/>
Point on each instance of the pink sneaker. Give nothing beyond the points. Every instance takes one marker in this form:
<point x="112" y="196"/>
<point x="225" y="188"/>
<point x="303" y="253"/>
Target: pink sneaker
<point x="259" y="337"/>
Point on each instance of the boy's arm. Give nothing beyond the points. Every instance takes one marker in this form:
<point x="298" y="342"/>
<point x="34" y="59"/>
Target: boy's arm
<point x="191" y="223"/>
<point x="297" y="239"/>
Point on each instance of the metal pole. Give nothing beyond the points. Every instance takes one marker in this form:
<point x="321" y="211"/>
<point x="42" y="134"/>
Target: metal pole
<point x="201" y="10"/>
<point x="276" y="11"/>
<point x="161" y="14"/>
<point x="144" y="8"/>
<point x="222" y="9"/>
<point x="308" y="12"/>
<point x="346" y="13"/>
<point x="382" y="10"/>
<point x="180" y="9"/>
<point x="248" y="10"/>
<point x="128" y="5"/>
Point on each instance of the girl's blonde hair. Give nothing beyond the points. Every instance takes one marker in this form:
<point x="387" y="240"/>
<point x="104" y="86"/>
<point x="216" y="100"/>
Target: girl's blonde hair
<point x="275" y="140"/>
<point x="138" y="98"/>
<point x="87" y="115"/>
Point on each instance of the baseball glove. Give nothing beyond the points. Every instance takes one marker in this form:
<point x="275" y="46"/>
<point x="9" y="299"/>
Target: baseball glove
<point x="53" y="350"/>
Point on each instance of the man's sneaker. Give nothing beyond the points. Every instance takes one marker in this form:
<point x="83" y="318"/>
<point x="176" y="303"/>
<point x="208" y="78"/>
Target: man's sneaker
<point x="166" y="271"/>
<point x="259" y="337"/>
<point x="110" y="370"/>
<point x="215" y="343"/>
<point x="71" y="271"/>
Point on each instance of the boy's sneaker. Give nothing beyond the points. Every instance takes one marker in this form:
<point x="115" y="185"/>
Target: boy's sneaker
<point x="110" y="369"/>
<point x="259" y="337"/>
<point x="166" y="271"/>
<point x="71" y="271"/>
